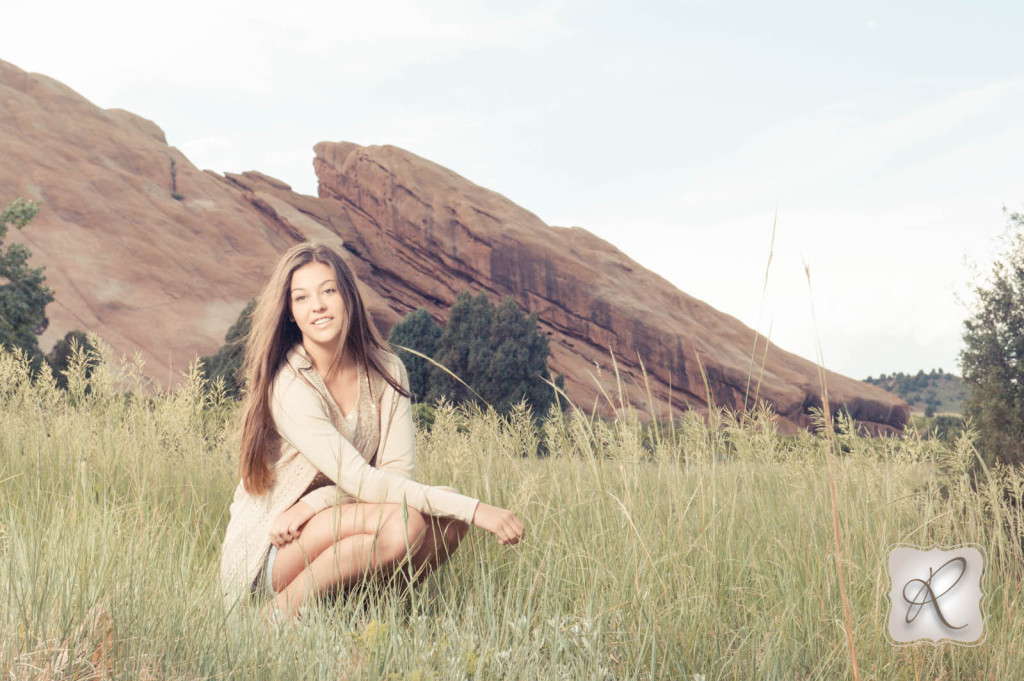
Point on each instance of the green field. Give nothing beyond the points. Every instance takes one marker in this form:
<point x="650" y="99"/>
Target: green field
<point x="698" y="552"/>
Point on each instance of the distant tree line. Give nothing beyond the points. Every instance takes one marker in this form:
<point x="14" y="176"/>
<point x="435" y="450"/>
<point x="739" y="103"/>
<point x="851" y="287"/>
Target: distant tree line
<point x="932" y="391"/>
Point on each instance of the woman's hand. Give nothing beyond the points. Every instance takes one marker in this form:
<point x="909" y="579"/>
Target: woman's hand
<point x="503" y="524"/>
<point x="286" y="526"/>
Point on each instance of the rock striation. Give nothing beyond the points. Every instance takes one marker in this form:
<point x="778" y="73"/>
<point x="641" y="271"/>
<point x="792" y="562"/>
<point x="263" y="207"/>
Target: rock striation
<point x="162" y="261"/>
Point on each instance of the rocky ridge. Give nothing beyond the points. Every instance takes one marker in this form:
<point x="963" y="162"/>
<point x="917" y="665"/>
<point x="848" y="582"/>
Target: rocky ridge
<point x="167" y="276"/>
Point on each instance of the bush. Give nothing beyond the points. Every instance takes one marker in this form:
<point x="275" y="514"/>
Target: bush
<point x="59" y="358"/>
<point x="423" y="416"/>
<point x="227" y="363"/>
<point x="497" y="352"/>
<point x="419" y="332"/>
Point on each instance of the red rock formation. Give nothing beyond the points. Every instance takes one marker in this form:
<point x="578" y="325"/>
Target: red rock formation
<point x="431" y="233"/>
<point x="167" y="276"/>
<point x="125" y="259"/>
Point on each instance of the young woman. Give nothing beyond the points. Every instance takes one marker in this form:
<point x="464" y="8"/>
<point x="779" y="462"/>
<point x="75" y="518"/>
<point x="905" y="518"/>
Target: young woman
<point x="327" y="495"/>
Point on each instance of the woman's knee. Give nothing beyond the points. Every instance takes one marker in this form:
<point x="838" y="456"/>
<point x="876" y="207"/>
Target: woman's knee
<point x="397" y="537"/>
<point x="323" y="530"/>
<point x="315" y="537"/>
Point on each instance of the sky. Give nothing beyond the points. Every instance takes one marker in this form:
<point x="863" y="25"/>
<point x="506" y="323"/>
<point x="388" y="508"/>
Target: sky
<point x="879" y="142"/>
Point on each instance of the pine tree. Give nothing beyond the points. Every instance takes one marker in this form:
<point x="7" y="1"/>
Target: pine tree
<point x="499" y="352"/>
<point x="463" y="348"/>
<point x="24" y="294"/>
<point x="992" y="359"/>
<point x="417" y="331"/>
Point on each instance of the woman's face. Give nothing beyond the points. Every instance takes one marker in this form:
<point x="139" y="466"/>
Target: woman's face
<point x="316" y="304"/>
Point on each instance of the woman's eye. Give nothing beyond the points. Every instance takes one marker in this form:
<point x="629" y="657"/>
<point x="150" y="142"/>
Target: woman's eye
<point x="299" y="299"/>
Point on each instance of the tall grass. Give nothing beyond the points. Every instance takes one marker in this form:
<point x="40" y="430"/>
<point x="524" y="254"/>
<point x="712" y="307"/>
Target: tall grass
<point x="702" y="552"/>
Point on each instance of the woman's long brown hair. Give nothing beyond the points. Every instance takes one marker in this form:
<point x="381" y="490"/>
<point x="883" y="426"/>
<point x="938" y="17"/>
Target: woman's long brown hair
<point x="272" y="334"/>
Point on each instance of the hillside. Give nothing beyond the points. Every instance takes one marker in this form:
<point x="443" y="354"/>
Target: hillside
<point x="934" y="391"/>
<point x="158" y="256"/>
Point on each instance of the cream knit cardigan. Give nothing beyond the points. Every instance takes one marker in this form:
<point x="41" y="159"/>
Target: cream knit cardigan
<point x="324" y="462"/>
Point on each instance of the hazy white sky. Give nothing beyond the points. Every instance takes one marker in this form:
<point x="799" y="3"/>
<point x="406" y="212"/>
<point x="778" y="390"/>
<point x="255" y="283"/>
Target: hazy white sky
<point x="884" y="138"/>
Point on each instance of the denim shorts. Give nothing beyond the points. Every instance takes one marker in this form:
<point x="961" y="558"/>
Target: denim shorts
<point x="264" y="585"/>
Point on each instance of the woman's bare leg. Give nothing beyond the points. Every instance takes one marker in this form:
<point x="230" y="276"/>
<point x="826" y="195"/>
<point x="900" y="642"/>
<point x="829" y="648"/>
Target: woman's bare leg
<point x="440" y="539"/>
<point x="340" y="545"/>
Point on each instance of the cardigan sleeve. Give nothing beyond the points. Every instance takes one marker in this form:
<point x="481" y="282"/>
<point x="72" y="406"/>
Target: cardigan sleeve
<point x="322" y="497"/>
<point x="397" y="452"/>
<point x="301" y="417"/>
